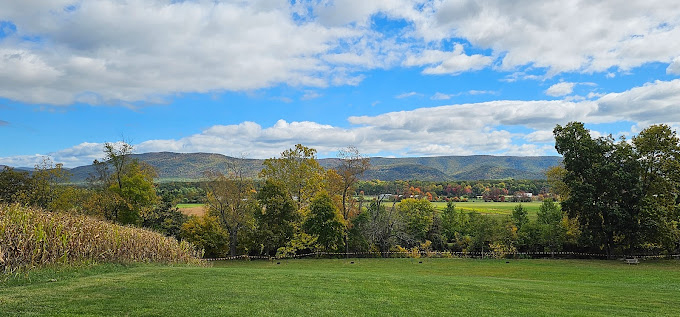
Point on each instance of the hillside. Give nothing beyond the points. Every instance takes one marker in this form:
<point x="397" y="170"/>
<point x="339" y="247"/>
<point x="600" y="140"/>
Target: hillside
<point x="191" y="166"/>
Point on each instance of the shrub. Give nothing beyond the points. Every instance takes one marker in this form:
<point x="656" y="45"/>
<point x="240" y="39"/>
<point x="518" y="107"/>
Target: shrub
<point x="31" y="237"/>
<point x="207" y="234"/>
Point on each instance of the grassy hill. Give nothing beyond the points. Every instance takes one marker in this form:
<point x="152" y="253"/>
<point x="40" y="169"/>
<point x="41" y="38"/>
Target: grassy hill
<point x="191" y="166"/>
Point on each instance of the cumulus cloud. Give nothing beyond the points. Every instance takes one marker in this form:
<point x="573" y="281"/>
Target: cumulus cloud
<point x="108" y="51"/>
<point x="545" y="34"/>
<point x="674" y="67"/>
<point x="540" y="136"/>
<point x="111" y="51"/>
<point x="454" y="62"/>
<point x="651" y="103"/>
<point x="560" y="89"/>
<point x="458" y="129"/>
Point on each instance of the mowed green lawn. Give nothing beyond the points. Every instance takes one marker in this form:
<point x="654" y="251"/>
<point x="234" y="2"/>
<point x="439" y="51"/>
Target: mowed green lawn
<point x="492" y="208"/>
<point x="369" y="287"/>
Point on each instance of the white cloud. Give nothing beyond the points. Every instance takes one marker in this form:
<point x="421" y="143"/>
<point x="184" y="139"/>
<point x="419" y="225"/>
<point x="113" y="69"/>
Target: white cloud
<point x="309" y="95"/>
<point x="482" y="92"/>
<point x="560" y="89"/>
<point x="454" y="62"/>
<point x="111" y="51"/>
<point x="406" y="95"/>
<point x="655" y="102"/>
<point x="459" y="129"/>
<point x="674" y="67"/>
<point x="563" y="36"/>
<point x="440" y="96"/>
<point x="540" y="136"/>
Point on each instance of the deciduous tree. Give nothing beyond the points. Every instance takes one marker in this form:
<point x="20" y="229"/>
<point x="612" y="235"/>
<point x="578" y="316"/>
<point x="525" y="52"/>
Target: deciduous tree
<point x="298" y="171"/>
<point x="324" y="222"/>
<point x="231" y="200"/>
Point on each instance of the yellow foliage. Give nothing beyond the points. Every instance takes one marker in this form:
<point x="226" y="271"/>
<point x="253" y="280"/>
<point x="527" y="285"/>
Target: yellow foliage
<point x="31" y="237"/>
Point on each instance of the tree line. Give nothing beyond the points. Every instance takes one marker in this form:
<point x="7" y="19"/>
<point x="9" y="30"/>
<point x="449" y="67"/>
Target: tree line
<point x="615" y="197"/>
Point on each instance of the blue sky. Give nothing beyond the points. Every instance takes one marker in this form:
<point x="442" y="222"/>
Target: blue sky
<point x="392" y="77"/>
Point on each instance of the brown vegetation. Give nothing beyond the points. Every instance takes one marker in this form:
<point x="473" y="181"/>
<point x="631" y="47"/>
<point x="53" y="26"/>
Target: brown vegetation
<point x="32" y="237"/>
<point x="198" y="211"/>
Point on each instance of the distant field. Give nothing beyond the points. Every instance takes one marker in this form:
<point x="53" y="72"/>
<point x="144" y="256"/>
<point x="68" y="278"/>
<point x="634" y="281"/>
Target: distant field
<point x="492" y="208"/>
<point x="192" y="209"/>
<point x="489" y="208"/>
<point x="369" y="287"/>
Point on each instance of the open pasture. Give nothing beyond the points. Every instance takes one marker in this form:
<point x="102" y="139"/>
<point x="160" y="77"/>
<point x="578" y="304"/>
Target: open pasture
<point x="367" y="287"/>
<point x="492" y="208"/>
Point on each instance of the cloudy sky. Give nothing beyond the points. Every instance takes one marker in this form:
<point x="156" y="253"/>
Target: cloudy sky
<point x="392" y="77"/>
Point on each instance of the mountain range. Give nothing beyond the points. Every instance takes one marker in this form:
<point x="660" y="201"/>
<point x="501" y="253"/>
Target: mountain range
<point x="191" y="166"/>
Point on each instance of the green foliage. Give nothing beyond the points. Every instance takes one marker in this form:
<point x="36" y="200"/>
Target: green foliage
<point x="136" y="189"/>
<point x="417" y="215"/>
<point x="275" y="222"/>
<point x="206" y="234"/>
<point x="324" y="222"/>
<point x="382" y="226"/>
<point x="520" y="216"/>
<point x="39" y="188"/>
<point x="624" y="195"/>
<point x="15" y="186"/>
<point x="165" y="218"/>
<point x="124" y="193"/>
<point x="298" y="171"/>
<point x="551" y="227"/>
<point x="231" y="201"/>
<point x="301" y="243"/>
<point x="658" y="148"/>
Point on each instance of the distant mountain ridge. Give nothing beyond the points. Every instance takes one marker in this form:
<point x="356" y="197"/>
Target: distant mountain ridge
<point x="191" y="166"/>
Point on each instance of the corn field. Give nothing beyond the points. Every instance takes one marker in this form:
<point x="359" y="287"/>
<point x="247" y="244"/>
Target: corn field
<point x="31" y="237"/>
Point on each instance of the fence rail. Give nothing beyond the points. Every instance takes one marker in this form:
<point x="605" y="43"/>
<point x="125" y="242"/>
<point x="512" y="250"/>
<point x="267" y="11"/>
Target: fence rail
<point x="437" y="254"/>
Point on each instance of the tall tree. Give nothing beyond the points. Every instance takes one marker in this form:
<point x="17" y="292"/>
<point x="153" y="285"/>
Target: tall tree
<point x="298" y="170"/>
<point x="45" y="182"/>
<point x="324" y="222"/>
<point x="275" y="221"/>
<point x="520" y="216"/>
<point x="352" y="166"/>
<point x="417" y="215"/>
<point x="603" y="181"/>
<point x="127" y="191"/>
<point x="551" y="229"/>
<point x="382" y="226"/>
<point x="118" y="156"/>
<point x="230" y="199"/>
<point x="658" y="148"/>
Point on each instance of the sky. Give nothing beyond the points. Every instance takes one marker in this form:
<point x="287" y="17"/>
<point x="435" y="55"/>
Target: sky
<point x="396" y="78"/>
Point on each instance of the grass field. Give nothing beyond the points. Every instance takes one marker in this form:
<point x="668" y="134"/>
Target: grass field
<point x="369" y="287"/>
<point x="492" y="208"/>
<point x="487" y="208"/>
<point x="192" y="209"/>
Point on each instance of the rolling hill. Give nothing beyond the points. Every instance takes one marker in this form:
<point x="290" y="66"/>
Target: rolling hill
<point x="191" y="166"/>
